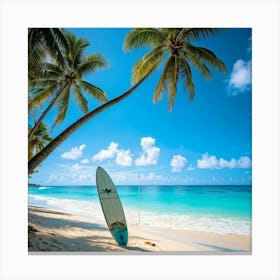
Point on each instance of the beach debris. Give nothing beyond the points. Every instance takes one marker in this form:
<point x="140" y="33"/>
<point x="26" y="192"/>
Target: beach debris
<point x="150" y="243"/>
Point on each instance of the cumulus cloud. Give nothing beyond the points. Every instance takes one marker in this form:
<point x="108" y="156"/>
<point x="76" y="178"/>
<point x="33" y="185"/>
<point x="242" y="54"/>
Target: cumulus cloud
<point x="177" y="163"/>
<point x="108" y="153"/>
<point x="84" y="161"/>
<point x="244" y="162"/>
<point x="211" y="162"/>
<point x="240" y="79"/>
<point x="150" y="153"/>
<point x="74" y="153"/>
<point x="122" y="157"/>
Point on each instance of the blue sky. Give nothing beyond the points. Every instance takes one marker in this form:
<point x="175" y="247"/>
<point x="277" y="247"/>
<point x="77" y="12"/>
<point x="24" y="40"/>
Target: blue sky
<point x="205" y="141"/>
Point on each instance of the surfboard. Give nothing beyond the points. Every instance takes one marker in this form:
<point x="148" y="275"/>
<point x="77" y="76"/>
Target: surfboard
<point x="111" y="206"/>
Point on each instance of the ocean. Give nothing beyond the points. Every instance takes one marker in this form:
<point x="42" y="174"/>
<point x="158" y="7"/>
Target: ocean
<point x="210" y="208"/>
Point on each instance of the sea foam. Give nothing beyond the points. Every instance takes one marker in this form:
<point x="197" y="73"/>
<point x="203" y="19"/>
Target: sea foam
<point x="93" y="209"/>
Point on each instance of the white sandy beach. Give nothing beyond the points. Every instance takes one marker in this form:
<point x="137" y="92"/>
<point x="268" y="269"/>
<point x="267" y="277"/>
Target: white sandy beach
<point x="55" y="231"/>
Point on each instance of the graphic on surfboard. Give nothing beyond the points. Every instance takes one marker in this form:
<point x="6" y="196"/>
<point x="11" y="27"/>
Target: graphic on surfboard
<point x="111" y="206"/>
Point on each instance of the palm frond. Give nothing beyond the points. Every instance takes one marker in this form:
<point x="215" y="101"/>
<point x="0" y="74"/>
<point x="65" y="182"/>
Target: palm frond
<point x="41" y="96"/>
<point x="148" y="63"/>
<point x="39" y="139"/>
<point x="163" y="81"/>
<point x="53" y="67"/>
<point x="82" y="102"/>
<point x="78" y="51"/>
<point x="90" y="64"/>
<point x="197" y="33"/>
<point x="207" y="56"/>
<point x="200" y="66"/>
<point x="62" y="105"/>
<point x="94" y="91"/>
<point x="55" y="42"/>
<point x="143" y="37"/>
<point x="173" y="80"/>
<point x="186" y="74"/>
<point x="47" y="71"/>
<point x="74" y="52"/>
<point x="43" y="83"/>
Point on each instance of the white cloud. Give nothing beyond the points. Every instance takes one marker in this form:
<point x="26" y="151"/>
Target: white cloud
<point x="150" y="153"/>
<point x="108" y="153"/>
<point x="240" y="78"/>
<point x="227" y="164"/>
<point x="74" y="153"/>
<point x="177" y="163"/>
<point x="207" y="162"/>
<point x="84" y="161"/>
<point x="211" y="162"/>
<point x="124" y="158"/>
<point x="153" y="177"/>
<point x="244" y="162"/>
<point x="76" y="166"/>
<point x="82" y="178"/>
<point x="190" y="168"/>
<point x="55" y="178"/>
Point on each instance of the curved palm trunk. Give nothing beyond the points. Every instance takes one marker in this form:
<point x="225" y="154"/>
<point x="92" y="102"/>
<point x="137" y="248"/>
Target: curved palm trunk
<point x="38" y="158"/>
<point x="33" y="130"/>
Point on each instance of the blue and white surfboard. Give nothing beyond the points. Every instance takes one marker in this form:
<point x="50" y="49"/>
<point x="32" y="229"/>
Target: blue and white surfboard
<point x="111" y="206"/>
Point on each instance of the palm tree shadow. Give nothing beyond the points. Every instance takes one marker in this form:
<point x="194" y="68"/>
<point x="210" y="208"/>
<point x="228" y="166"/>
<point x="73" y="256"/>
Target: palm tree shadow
<point x="219" y="248"/>
<point x="133" y="248"/>
<point x="52" y="222"/>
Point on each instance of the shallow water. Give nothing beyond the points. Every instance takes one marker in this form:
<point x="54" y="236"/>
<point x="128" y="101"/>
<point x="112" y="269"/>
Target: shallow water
<point x="219" y="209"/>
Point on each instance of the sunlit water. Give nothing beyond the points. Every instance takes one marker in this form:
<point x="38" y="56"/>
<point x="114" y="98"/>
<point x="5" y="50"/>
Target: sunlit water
<point x="218" y="209"/>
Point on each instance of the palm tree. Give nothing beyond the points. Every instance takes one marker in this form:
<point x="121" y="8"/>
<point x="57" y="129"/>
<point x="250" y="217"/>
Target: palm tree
<point x="39" y="140"/>
<point x="173" y="48"/>
<point x="172" y="45"/>
<point x="43" y="42"/>
<point x="58" y="80"/>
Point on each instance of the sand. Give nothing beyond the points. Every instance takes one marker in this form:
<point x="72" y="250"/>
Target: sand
<point x="53" y="231"/>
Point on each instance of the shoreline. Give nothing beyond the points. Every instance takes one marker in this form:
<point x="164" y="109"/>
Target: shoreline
<point x="54" y="231"/>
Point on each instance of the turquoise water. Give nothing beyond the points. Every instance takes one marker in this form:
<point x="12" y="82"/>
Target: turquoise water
<point x="220" y="209"/>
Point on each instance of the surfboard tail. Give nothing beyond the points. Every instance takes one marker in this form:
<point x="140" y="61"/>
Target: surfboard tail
<point x="120" y="235"/>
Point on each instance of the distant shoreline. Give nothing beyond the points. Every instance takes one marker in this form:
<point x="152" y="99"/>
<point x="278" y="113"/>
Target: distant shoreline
<point x="34" y="185"/>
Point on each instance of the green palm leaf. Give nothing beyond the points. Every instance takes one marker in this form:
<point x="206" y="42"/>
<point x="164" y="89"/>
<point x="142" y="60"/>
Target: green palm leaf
<point x="148" y="63"/>
<point x="41" y="96"/>
<point x="173" y="80"/>
<point x="39" y="140"/>
<point x="143" y="37"/>
<point x="62" y="106"/>
<point x="176" y="42"/>
<point x="51" y="74"/>
<point x="91" y="64"/>
<point x="94" y="91"/>
<point x="200" y="66"/>
<point x="82" y="102"/>
<point x="186" y="73"/>
<point x="197" y="33"/>
<point x="76" y="49"/>
<point x="163" y="81"/>
<point x="208" y="56"/>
